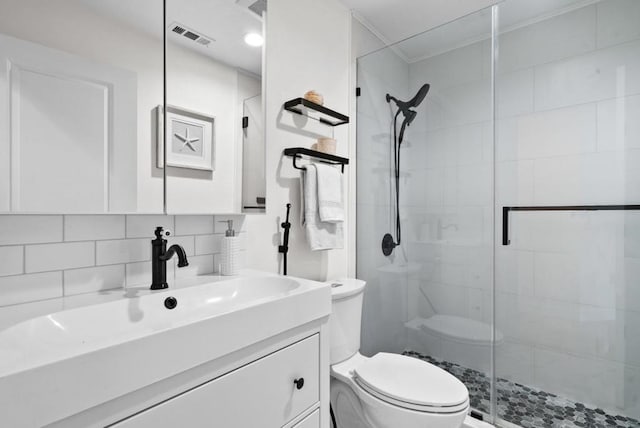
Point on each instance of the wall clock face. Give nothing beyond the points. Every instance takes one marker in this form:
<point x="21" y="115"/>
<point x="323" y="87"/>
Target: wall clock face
<point x="186" y="138"/>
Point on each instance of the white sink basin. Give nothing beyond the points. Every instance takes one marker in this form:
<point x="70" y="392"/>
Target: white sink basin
<point x="123" y="345"/>
<point x="62" y="334"/>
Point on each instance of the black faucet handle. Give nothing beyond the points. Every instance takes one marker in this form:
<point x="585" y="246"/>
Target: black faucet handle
<point x="161" y="233"/>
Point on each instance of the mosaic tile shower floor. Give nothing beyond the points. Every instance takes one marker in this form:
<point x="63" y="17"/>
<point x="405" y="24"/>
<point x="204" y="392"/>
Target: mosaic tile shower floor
<point x="529" y="407"/>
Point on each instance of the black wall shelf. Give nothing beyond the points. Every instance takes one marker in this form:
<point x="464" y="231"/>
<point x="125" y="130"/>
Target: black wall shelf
<point x="507" y="210"/>
<point x="298" y="152"/>
<point x="327" y="116"/>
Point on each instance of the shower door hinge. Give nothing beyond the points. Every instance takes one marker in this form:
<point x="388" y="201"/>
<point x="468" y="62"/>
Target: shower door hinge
<point x="245" y="122"/>
<point x="358" y="91"/>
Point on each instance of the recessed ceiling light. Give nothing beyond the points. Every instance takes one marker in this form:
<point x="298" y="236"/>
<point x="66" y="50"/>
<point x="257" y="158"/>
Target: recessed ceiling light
<point x="253" y="39"/>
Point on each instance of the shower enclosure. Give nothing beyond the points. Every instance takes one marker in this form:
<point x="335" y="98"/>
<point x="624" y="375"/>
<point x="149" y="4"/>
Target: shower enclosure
<point x="532" y="106"/>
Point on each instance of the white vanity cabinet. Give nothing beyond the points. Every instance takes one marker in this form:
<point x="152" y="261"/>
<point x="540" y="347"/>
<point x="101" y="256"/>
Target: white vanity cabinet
<point x="261" y="394"/>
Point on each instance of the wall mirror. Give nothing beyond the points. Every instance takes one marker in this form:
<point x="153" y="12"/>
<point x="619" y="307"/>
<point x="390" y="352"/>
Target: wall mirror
<point x="214" y="150"/>
<point x="80" y="82"/>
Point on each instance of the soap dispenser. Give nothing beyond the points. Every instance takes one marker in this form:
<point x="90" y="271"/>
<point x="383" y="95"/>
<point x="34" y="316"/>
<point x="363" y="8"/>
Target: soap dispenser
<point x="229" y="254"/>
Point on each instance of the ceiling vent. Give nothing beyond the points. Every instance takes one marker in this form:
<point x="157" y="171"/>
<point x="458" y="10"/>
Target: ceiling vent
<point x="190" y="34"/>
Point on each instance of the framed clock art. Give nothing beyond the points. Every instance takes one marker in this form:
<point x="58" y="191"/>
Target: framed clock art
<point x="190" y="139"/>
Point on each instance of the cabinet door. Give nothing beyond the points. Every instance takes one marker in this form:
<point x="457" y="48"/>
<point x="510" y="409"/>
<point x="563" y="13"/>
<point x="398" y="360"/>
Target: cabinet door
<point x="261" y="394"/>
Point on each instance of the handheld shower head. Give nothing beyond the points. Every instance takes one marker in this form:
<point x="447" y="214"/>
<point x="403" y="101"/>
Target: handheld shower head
<point x="407" y="110"/>
<point x="420" y="96"/>
<point x="406" y="106"/>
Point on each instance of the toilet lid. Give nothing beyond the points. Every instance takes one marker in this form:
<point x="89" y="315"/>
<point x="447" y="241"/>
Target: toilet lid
<point x="411" y="381"/>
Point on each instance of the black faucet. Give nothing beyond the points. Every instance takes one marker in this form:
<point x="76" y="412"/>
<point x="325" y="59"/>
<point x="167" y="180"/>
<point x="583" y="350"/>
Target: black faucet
<point x="159" y="257"/>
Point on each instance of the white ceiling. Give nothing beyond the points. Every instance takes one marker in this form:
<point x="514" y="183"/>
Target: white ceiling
<point x="225" y="21"/>
<point x="396" y="20"/>
<point x="416" y="29"/>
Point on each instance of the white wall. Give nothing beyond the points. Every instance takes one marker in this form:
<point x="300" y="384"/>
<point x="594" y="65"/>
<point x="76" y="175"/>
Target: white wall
<point x="307" y="48"/>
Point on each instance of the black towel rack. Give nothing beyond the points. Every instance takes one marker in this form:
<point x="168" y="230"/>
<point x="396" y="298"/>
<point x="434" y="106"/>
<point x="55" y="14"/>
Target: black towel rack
<point x="327" y="116"/>
<point x="507" y="210"/>
<point x="298" y="152"/>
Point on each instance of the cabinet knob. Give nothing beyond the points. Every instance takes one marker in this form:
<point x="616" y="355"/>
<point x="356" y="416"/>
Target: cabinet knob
<point x="299" y="383"/>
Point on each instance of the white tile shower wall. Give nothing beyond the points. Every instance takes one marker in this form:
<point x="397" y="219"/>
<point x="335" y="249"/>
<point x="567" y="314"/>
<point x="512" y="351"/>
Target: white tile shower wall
<point x="43" y="257"/>
<point x="567" y="288"/>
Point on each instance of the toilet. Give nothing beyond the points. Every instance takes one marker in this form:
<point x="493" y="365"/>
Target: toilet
<point x="386" y="390"/>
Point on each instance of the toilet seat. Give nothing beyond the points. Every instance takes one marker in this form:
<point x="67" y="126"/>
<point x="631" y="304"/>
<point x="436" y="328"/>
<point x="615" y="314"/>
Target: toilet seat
<point x="411" y="383"/>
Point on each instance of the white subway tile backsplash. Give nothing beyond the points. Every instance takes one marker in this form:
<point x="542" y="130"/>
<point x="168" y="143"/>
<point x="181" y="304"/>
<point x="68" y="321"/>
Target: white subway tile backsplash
<point x="68" y="255"/>
<point x="123" y="251"/>
<point x="194" y="225"/>
<point x="30" y="229"/>
<point x="11" y="260"/>
<point x="198" y="265"/>
<point x="93" y="227"/>
<point x="138" y="274"/>
<point x="31" y="287"/>
<point x="208" y="244"/>
<point x="143" y="226"/>
<point x="89" y="253"/>
<point x="77" y="281"/>
<point x="186" y="242"/>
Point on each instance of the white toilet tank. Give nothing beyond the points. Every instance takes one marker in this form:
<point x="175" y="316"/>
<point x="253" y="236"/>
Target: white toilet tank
<point x="346" y="316"/>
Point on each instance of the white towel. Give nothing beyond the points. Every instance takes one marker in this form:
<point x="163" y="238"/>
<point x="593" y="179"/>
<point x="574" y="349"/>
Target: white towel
<point x="330" y="204"/>
<point x="320" y="235"/>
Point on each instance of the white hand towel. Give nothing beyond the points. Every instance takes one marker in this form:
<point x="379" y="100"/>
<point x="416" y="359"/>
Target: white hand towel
<point x="330" y="203"/>
<point x="320" y="235"/>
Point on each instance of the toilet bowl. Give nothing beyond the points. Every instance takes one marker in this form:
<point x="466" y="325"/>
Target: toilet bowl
<point x="385" y="390"/>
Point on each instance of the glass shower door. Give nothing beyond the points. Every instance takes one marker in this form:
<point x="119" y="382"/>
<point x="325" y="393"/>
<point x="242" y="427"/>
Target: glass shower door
<point x="568" y="282"/>
<point x="431" y="298"/>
